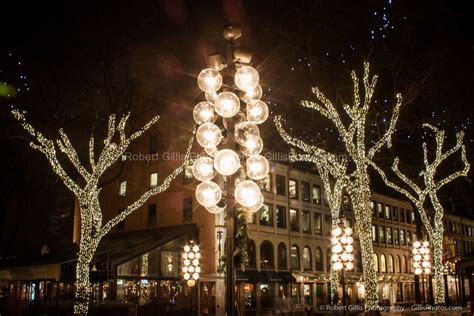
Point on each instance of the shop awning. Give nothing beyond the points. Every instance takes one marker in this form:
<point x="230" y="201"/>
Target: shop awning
<point x="287" y="277"/>
<point x="241" y="276"/>
<point x="271" y="276"/>
<point x="255" y="276"/>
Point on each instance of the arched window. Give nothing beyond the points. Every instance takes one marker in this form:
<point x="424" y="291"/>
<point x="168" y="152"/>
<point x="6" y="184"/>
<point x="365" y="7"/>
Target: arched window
<point x="282" y="260"/>
<point x="328" y="259"/>
<point x="318" y="254"/>
<point x="307" y="260"/>
<point x="404" y="265"/>
<point x="383" y="264"/>
<point x="397" y="264"/>
<point x="295" y="257"/>
<point x="376" y="263"/>
<point x="409" y="265"/>
<point x="266" y="255"/>
<point x="251" y="251"/>
<point x="358" y="263"/>
<point x="390" y="264"/>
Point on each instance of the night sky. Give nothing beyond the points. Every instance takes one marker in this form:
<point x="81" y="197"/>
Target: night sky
<point x="73" y="65"/>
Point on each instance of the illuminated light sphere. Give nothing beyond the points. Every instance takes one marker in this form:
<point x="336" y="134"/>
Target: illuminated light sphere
<point x="414" y="251"/>
<point x="245" y="129"/>
<point x="185" y="269"/>
<point x="211" y="151"/>
<point x="187" y="248"/>
<point x="191" y="255"/>
<point x="426" y="244"/>
<point x="351" y="257"/>
<point x="338" y="266"/>
<point x="427" y="270"/>
<point x="257" y="112"/>
<point x="204" y="113"/>
<point x="209" y="80"/>
<point x="349" y="265"/>
<point x="208" y="135"/>
<point x="344" y="256"/>
<point x="203" y="169"/>
<point x="426" y="257"/>
<point x="252" y="95"/>
<point x="215" y="209"/>
<point x="186" y="262"/>
<point x="226" y="162"/>
<point x="418" y="271"/>
<point x="247" y="193"/>
<point x="417" y="257"/>
<point x="198" y="255"/>
<point x="191" y="269"/>
<point x="349" y="248"/>
<point x="343" y="239"/>
<point x="211" y="96"/>
<point x="257" y="167"/>
<point x="416" y="244"/>
<point x="253" y="145"/>
<point x="187" y="276"/>
<point x="334" y="240"/>
<point x="197" y="269"/>
<point x="337" y="249"/>
<point x="185" y="255"/>
<point x="195" y="262"/>
<point x="425" y="264"/>
<point x="208" y="193"/>
<point x="195" y="248"/>
<point x="416" y="264"/>
<point x="196" y="276"/>
<point x="348" y="231"/>
<point x="246" y="78"/>
<point x="258" y="204"/>
<point x="227" y="104"/>
<point x="334" y="257"/>
<point x="336" y="232"/>
<point x="349" y="240"/>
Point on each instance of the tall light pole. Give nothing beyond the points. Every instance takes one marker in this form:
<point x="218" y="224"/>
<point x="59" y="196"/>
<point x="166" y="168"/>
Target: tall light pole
<point x="191" y="269"/>
<point x="342" y="257"/>
<point x="232" y="166"/>
<point x="421" y="261"/>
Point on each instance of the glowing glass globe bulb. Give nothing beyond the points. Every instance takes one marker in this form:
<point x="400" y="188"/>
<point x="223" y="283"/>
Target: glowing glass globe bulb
<point x="349" y="248"/>
<point x="349" y="240"/>
<point x="226" y="162"/>
<point x="247" y="193"/>
<point x="246" y="78"/>
<point x="416" y="244"/>
<point x="351" y="257"/>
<point x="349" y="265"/>
<point x="208" y="193"/>
<point x="334" y="257"/>
<point x="253" y="145"/>
<point x="426" y="244"/>
<point x="425" y="264"/>
<point x="186" y="262"/>
<point x="186" y="276"/>
<point x="195" y="248"/>
<point x="418" y="271"/>
<point x="348" y="231"/>
<point x="185" y="255"/>
<point x="197" y="269"/>
<point x="198" y="255"/>
<point x="336" y="232"/>
<point x="191" y="255"/>
<point x="185" y="269"/>
<point x="208" y="135"/>
<point x="209" y="80"/>
<point x="195" y="262"/>
<point x="252" y="95"/>
<point x="257" y="112"/>
<point x="203" y="169"/>
<point x="337" y="249"/>
<point x="227" y="104"/>
<point x="204" y="113"/>
<point x="196" y="276"/>
<point x="427" y="270"/>
<point x="417" y="257"/>
<point x="344" y="256"/>
<point x="338" y="266"/>
<point x="187" y="248"/>
<point x="243" y="130"/>
<point x="191" y="269"/>
<point x="334" y="240"/>
<point x="343" y="239"/>
<point x="257" y="167"/>
<point x="215" y="209"/>
<point x="416" y="264"/>
<point x="258" y="204"/>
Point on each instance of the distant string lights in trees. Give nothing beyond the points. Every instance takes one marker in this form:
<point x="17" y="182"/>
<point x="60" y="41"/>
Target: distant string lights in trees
<point x="419" y="194"/>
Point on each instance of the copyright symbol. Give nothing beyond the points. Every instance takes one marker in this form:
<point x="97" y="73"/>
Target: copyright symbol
<point x="321" y="307"/>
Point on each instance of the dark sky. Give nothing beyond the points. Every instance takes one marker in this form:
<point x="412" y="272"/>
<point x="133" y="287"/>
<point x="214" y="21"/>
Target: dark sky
<point x="68" y="55"/>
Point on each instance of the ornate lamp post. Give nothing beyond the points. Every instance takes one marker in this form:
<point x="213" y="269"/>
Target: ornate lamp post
<point x="342" y="257"/>
<point x="422" y="262"/>
<point x="191" y="268"/>
<point x="232" y="165"/>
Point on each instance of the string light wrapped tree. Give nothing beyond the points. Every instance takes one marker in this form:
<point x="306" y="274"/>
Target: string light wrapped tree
<point x="87" y="188"/>
<point x="353" y="131"/>
<point x="233" y="166"/>
<point x="431" y="184"/>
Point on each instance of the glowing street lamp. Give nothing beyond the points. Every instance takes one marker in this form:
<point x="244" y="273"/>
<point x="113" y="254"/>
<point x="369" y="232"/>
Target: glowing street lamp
<point x="421" y="261"/>
<point x="342" y="257"/>
<point x="191" y="268"/>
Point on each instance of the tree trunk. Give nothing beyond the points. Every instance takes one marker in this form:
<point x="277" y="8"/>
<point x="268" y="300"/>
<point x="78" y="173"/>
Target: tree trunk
<point x="439" y="297"/>
<point x="82" y="290"/>
<point x="360" y="195"/>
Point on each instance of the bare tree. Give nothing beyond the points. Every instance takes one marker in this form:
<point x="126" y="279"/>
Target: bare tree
<point x="88" y="188"/>
<point x="419" y="194"/>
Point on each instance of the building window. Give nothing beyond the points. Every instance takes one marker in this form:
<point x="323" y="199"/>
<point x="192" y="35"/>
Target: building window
<point x="397" y="264"/>
<point x="188" y="209"/>
<point x="280" y="185"/>
<point x="153" y="144"/>
<point x="316" y="194"/>
<point x="153" y="180"/>
<point x="252" y="256"/>
<point x="306" y="222"/>
<point x="152" y="214"/>
<point x="390" y="264"/>
<point x="169" y="264"/>
<point x="374" y="232"/>
<point x="408" y="216"/>
<point x="308" y="293"/>
<point x="402" y="237"/>
<point x="412" y="216"/>
<point x="317" y="223"/>
<point x="266" y="255"/>
<point x="123" y="188"/>
<point x="294" y="220"/>
<point x="381" y="234"/>
<point x="293" y="188"/>
<point x="327" y="224"/>
<point x="372" y="207"/>
<point x="396" y="237"/>
<point x="282" y="261"/>
<point x="266" y="215"/>
<point x="388" y="212"/>
<point x="328" y="259"/>
<point x="295" y="257"/>
<point x="408" y="236"/>
<point x="404" y="268"/>
<point x="281" y="216"/>
<point x="389" y="235"/>
<point x="305" y="191"/>
<point x="380" y="210"/>
<point x="376" y="262"/>
<point x="395" y="213"/>
<point x="318" y="254"/>
<point x="188" y="173"/>
<point x="346" y="203"/>
<point x="307" y="260"/>
<point x="402" y="215"/>
<point x="266" y="183"/>
<point x="121" y="224"/>
<point x="383" y="264"/>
